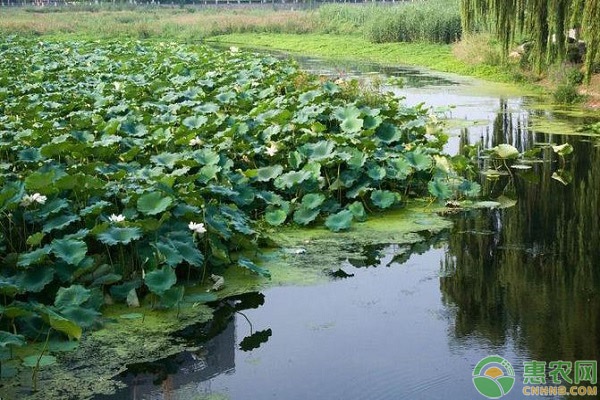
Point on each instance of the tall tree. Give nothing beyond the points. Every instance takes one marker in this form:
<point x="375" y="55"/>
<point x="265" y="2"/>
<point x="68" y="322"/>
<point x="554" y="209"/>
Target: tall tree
<point x="545" y="21"/>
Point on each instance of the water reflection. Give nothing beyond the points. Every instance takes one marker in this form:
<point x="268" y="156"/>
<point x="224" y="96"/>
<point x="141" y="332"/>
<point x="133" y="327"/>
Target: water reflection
<point x="529" y="274"/>
<point x="188" y="374"/>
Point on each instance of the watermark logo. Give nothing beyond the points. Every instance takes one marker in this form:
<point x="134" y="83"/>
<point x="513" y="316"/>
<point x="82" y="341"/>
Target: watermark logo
<point x="493" y="377"/>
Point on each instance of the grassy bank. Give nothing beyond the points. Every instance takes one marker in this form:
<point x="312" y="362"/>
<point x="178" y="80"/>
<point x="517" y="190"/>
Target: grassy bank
<point x="439" y="57"/>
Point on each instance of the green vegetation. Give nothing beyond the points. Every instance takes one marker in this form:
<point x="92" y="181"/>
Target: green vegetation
<point x="434" y="56"/>
<point x="543" y="23"/>
<point x="143" y="22"/>
<point x="434" y="21"/>
<point x="130" y="170"/>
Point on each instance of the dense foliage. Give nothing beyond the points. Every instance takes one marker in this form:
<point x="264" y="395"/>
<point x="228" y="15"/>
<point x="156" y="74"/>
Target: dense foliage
<point x="434" y="21"/>
<point x="546" y="23"/>
<point x="129" y="168"/>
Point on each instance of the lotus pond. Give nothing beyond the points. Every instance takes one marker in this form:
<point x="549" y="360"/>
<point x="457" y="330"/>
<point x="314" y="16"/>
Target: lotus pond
<point x="133" y="172"/>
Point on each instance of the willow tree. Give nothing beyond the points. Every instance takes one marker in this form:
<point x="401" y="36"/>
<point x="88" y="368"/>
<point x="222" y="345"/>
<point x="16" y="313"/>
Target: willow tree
<point x="546" y="22"/>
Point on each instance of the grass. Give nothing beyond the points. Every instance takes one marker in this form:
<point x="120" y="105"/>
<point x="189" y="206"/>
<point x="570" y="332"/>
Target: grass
<point x="435" y="56"/>
<point x="183" y="24"/>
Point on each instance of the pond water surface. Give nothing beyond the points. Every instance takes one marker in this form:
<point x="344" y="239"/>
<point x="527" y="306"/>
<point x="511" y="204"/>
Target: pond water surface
<point x="521" y="282"/>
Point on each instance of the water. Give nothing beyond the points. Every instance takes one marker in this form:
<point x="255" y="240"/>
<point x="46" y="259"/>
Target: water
<point x="521" y="282"/>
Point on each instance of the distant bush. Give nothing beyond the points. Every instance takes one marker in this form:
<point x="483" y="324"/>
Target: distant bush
<point x="566" y="93"/>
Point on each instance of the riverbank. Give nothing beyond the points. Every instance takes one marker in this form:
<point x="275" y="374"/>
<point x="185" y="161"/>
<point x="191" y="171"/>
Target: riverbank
<point x="438" y="57"/>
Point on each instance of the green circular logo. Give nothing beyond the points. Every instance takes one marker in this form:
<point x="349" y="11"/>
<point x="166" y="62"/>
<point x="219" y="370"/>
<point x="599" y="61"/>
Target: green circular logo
<point x="493" y="377"/>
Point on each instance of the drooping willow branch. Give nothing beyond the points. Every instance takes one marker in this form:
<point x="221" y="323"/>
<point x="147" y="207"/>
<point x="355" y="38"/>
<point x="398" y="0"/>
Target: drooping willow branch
<point x="545" y="21"/>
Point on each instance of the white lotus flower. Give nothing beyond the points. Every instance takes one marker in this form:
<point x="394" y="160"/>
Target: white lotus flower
<point x="197" y="227"/>
<point x="272" y="149"/>
<point x="196" y="141"/>
<point x="116" y="218"/>
<point x="29" y="199"/>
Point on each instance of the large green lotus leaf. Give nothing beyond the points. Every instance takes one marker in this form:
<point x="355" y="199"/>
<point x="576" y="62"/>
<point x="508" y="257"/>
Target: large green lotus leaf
<point x="37" y="361"/>
<point x="439" y="189"/>
<point x="225" y="97"/>
<point x="275" y="217"/>
<point x="265" y="174"/>
<point x="371" y="121"/>
<point x="246" y="263"/>
<point x="30" y="155"/>
<point x="330" y="87"/>
<point x="470" y="188"/>
<point x="33" y="257"/>
<point x="237" y="219"/>
<point x="506" y="151"/>
<point x="342" y="113"/>
<point x="11" y="193"/>
<point x="190" y="253"/>
<point x="358" y="211"/>
<point x="171" y="255"/>
<point x="70" y="250"/>
<point x="83" y="317"/>
<point x="357" y="160"/>
<point x="321" y="150"/>
<point x="133" y="128"/>
<point x="200" y="297"/>
<point x="119" y="292"/>
<point x="351" y="125"/>
<point x="94" y="209"/>
<point x="292" y="178"/>
<point x="295" y="159"/>
<point x="206" y="157"/>
<point x="308" y="96"/>
<point x="34" y="279"/>
<point x="195" y="122"/>
<point x="10" y="339"/>
<point x="172" y="297"/>
<point x="107" y="279"/>
<point x="39" y="180"/>
<point x="383" y="198"/>
<point x="418" y="160"/>
<point x="340" y="221"/>
<point x="400" y="168"/>
<point x="207" y="108"/>
<point x="115" y="235"/>
<point x="166" y="159"/>
<point x="388" y="133"/>
<point x="52" y="207"/>
<point x="8" y="288"/>
<point x="305" y="215"/>
<point x="219" y="253"/>
<point x="218" y="224"/>
<point x="160" y="280"/>
<point x="312" y="200"/>
<point x="270" y="198"/>
<point x="74" y="295"/>
<point x="359" y="190"/>
<point x="59" y="323"/>
<point x="376" y="172"/>
<point x="153" y="203"/>
<point x="60" y="222"/>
